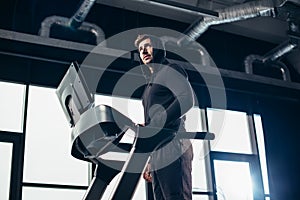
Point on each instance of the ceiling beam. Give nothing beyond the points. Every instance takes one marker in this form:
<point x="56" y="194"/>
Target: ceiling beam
<point x="47" y="59"/>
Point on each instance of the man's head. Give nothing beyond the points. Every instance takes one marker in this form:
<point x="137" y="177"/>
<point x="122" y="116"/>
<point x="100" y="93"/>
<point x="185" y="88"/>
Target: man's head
<point x="150" y="48"/>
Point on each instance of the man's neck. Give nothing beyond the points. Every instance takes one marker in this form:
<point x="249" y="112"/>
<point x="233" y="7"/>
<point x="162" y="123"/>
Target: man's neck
<point x="151" y="69"/>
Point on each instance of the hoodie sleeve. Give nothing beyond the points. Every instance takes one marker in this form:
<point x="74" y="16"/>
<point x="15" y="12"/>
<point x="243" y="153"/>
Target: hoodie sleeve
<point x="177" y="81"/>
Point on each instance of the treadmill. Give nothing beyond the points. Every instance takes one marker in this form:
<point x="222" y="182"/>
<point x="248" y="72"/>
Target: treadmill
<point x="97" y="130"/>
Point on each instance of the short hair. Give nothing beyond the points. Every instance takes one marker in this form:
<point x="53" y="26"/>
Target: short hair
<point x="156" y="42"/>
<point x="140" y="38"/>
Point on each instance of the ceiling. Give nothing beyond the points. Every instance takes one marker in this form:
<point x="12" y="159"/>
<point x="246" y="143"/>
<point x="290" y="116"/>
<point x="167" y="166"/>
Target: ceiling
<point x="274" y="29"/>
<point x="270" y="29"/>
<point x="115" y="16"/>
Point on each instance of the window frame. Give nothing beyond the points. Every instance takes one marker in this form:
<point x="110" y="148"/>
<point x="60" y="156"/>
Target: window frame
<point x="255" y="172"/>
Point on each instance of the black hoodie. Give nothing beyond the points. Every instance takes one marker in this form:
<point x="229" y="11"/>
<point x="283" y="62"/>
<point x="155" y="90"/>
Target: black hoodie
<point x="168" y="95"/>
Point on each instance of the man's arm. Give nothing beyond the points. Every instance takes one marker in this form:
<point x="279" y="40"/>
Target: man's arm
<point x="177" y="81"/>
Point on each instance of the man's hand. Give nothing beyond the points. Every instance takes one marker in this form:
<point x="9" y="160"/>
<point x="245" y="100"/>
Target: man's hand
<point x="147" y="175"/>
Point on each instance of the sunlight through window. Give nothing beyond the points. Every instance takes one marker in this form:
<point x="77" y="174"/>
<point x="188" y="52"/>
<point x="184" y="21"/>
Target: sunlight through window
<point x="11" y="107"/>
<point x="262" y="152"/>
<point x="32" y="193"/>
<point x="5" y="169"/>
<point x="233" y="180"/>
<point x="48" y="143"/>
<point x="231" y="131"/>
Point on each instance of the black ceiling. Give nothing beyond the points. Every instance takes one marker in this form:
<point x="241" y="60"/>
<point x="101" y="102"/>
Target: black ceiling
<point x="228" y="44"/>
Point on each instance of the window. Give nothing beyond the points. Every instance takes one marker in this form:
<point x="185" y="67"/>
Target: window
<point x="233" y="157"/>
<point x="47" y="145"/>
<point x="262" y="152"/>
<point x="201" y="197"/>
<point x="33" y="193"/>
<point x="233" y="180"/>
<point x="5" y="169"/>
<point x="199" y="172"/>
<point x="231" y="131"/>
<point x="131" y="108"/>
<point x="11" y="107"/>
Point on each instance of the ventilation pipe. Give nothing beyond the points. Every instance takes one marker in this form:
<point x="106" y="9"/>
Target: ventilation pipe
<point x="279" y="51"/>
<point x="81" y="13"/>
<point x="272" y="58"/>
<point x="251" y="59"/>
<point x="75" y="23"/>
<point x="204" y="59"/>
<point x="227" y="15"/>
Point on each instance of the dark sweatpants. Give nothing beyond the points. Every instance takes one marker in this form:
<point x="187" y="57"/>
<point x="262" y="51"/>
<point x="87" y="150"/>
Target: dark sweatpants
<point x="172" y="166"/>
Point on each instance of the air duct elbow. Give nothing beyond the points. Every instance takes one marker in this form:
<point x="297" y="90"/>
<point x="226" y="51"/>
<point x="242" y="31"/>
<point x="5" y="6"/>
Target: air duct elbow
<point x="75" y="23"/>
<point x="248" y="62"/>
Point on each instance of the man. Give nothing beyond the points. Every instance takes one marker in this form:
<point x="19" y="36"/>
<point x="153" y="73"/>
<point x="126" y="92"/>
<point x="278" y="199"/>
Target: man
<point x="167" y="97"/>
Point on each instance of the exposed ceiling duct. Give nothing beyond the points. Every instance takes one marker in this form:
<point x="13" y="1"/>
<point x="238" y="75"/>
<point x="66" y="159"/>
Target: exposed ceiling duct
<point x="227" y="15"/>
<point x="256" y="59"/>
<point x="268" y="29"/>
<point x="290" y="13"/>
<point x="81" y="13"/>
<point x="272" y="59"/>
<point x="267" y="8"/>
<point x="280" y="51"/>
<point x="75" y="26"/>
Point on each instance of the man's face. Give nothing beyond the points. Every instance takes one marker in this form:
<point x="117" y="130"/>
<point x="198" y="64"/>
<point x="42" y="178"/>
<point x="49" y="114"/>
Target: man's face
<point x="146" y="51"/>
